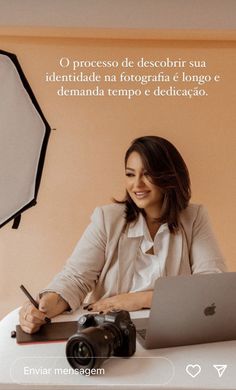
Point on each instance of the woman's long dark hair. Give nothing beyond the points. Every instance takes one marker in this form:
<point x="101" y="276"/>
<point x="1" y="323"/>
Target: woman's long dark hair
<point x="168" y="171"/>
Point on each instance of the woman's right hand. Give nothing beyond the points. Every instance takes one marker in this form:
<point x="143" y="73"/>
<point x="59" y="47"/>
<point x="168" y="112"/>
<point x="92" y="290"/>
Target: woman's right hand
<point x="50" y="305"/>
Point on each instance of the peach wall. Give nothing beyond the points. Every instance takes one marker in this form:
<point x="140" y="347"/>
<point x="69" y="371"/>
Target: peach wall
<point x="84" y="163"/>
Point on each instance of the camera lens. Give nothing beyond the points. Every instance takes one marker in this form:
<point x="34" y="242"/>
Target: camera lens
<point x="79" y="352"/>
<point x="82" y="353"/>
<point x="89" y="348"/>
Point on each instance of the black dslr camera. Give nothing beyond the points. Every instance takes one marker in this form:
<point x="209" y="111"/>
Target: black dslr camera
<point x="99" y="337"/>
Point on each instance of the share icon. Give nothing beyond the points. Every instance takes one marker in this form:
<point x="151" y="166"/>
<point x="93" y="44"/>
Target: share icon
<point x="220" y="368"/>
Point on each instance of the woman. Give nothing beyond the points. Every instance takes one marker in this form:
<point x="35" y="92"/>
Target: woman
<point x="153" y="233"/>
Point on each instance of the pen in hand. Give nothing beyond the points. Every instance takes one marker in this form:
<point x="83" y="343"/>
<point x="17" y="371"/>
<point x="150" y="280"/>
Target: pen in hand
<point x="32" y="300"/>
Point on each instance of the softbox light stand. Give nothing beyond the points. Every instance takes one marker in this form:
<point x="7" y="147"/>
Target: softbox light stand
<point x="24" y="134"/>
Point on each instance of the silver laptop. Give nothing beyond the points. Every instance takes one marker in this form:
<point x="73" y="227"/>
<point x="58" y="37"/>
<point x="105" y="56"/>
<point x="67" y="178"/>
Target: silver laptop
<point x="190" y="310"/>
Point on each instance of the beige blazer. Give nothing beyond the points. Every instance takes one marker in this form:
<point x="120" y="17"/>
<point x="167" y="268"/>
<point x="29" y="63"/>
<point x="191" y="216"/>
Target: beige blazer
<point x="103" y="260"/>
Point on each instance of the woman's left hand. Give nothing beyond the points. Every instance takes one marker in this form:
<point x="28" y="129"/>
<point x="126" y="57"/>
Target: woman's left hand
<point x="128" y="301"/>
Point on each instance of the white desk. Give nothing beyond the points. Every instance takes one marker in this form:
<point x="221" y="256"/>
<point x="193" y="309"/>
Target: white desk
<point x="154" y="369"/>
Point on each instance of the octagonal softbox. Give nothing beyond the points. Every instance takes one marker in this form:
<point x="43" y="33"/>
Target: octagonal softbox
<point x="24" y="134"/>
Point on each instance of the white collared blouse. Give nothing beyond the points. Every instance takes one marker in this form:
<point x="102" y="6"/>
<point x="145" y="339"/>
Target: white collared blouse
<point x="148" y="267"/>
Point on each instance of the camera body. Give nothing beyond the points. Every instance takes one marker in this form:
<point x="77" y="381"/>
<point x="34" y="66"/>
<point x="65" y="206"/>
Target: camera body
<point x="121" y="319"/>
<point x="100" y="336"/>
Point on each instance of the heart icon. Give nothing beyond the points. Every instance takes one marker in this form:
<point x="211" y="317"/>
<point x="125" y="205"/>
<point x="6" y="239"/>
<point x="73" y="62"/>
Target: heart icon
<point x="193" y="370"/>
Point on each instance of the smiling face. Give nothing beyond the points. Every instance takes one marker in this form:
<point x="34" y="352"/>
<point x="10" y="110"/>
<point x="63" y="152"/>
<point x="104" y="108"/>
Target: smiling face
<point x="142" y="191"/>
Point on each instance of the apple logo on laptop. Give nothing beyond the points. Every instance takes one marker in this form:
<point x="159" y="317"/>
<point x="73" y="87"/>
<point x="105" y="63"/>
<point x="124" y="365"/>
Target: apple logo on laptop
<point x="210" y="310"/>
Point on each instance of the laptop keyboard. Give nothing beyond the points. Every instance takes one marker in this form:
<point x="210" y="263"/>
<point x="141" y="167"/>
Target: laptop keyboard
<point x="142" y="332"/>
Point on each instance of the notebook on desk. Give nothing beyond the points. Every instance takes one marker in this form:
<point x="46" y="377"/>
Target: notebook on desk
<point x="189" y="310"/>
<point x="56" y="331"/>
